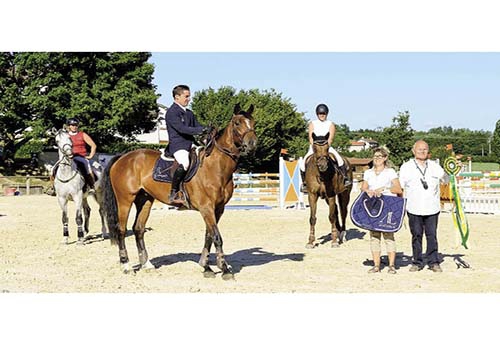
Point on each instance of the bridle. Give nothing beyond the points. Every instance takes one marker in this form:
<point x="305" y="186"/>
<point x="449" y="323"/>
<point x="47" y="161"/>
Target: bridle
<point x="66" y="160"/>
<point x="234" y="154"/>
<point x="322" y="158"/>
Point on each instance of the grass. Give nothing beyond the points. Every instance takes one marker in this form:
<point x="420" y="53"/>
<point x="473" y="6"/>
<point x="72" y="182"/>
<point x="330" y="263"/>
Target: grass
<point x="479" y="166"/>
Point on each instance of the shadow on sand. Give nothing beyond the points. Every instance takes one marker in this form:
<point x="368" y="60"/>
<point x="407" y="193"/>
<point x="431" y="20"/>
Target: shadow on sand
<point x="242" y="258"/>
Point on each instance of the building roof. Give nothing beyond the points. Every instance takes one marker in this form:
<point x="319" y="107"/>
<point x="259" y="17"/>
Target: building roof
<point x="357" y="143"/>
<point x="359" y="161"/>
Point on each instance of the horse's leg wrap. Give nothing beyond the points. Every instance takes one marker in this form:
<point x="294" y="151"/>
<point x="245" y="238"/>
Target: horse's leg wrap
<point x="79" y="223"/>
<point x="221" y="261"/>
<point x="65" y="224"/>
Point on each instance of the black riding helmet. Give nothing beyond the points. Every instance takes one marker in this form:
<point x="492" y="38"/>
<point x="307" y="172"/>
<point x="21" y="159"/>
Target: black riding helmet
<point x="322" y="108"/>
<point x="72" y="121"/>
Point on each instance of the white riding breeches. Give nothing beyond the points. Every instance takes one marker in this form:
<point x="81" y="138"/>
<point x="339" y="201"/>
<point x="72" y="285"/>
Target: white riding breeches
<point x="339" y="159"/>
<point x="182" y="156"/>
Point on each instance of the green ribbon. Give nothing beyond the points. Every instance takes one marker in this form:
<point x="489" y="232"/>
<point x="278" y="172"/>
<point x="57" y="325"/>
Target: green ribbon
<point x="459" y="220"/>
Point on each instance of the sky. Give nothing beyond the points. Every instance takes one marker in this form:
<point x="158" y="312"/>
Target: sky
<point x="362" y="89"/>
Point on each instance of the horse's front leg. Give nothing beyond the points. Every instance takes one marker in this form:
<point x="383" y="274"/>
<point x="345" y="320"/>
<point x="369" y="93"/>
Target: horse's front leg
<point x="332" y="217"/>
<point x="78" y="197"/>
<point x="343" y="206"/>
<point x="213" y="232"/>
<point x="313" y="205"/>
<point x="63" y="203"/>
<point x="207" y="271"/>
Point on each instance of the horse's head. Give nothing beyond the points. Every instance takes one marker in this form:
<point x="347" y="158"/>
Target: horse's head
<point x="243" y="129"/>
<point x="320" y="151"/>
<point x="64" y="143"/>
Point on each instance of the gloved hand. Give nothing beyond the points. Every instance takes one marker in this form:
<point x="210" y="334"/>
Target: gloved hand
<point x="207" y="130"/>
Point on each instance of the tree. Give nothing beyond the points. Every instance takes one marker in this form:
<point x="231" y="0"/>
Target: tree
<point x="278" y="124"/>
<point x="111" y="93"/>
<point x="342" y="137"/>
<point x="495" y="141"/>
<point x="13" y="114"/>
<point x="399" y="138"/>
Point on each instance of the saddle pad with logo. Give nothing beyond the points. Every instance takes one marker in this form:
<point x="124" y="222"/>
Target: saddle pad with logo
<point x="162" y="171"/>
<point x="384" y="213"/>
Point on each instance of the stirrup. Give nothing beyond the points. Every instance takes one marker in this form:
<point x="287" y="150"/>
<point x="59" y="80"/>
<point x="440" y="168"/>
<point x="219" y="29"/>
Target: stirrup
<point x="177" y="198"/>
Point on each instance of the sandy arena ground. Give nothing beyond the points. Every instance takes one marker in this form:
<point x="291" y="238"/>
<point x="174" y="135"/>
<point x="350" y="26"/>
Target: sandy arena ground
<point x="266" y="249"/>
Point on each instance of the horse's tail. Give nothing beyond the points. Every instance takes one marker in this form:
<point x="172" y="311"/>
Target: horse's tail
<point x="109" y="200"/>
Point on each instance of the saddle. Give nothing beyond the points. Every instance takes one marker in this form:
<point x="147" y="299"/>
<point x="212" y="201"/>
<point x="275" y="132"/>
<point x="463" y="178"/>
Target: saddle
<point x="95" y="167"/>
<point x="165" y="167"/>
<point x="384" y="213"/>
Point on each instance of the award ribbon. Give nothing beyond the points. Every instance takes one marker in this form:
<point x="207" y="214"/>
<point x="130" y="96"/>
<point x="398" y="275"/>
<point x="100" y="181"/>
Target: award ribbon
<point x="459" y="220"/>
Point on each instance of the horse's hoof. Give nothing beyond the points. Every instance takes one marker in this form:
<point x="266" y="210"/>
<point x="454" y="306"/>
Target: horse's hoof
<point x="126" y="268"/>
<point x="209" y="274"/>
<point x="228" y="276"/>
<point x="148" y="267"/>
<point x="65" y="240"/>
<point x="80" y="242"/>
<point x="335" y="245"/>
<point x="310" y="246"/>
<point x="342" y="237"/>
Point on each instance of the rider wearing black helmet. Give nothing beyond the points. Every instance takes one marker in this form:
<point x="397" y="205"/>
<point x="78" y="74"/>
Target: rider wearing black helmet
<point x="322" y="109"/>
<point x="322" y="127"/>
<point x="80" y="141"/>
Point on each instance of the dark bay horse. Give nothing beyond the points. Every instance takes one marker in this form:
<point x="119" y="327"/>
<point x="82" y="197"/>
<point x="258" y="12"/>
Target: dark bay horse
<point x="128" y="180"/>
<point x="325" y="181"/>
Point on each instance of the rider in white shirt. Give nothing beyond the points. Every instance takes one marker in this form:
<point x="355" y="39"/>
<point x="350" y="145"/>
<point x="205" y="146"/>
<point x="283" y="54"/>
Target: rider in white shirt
<point x="322" y="127"/>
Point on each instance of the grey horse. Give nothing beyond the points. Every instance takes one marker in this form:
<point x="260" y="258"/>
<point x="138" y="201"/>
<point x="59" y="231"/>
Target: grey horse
<point x="69" y="185"/>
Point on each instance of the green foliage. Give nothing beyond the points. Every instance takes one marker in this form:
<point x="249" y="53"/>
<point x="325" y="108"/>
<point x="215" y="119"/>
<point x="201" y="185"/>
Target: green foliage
<point x="342" y="138"/>
<point x="464" y="140"/>
<point x="495" y="140"/>
<point x="399" y="138"/>
<point x="122" y="147"/>
<point x="28" y="148"/>
<point x="485" y="159"/>
<point x="278" y="124"/>
<point x="111" y="93"/>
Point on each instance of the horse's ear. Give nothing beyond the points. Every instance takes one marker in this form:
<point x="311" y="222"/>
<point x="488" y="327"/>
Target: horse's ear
<point x="237" y="109"/>
<point x="250" y="110"/>
<point x="327" y="136"/>
<point x="314" y="137"/>
<point x="53" y="131"/>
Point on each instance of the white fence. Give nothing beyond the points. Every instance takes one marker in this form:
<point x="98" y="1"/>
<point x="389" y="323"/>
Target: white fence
<point x="480" y="192"/>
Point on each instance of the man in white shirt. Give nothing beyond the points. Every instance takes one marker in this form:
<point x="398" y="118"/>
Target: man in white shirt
<point x="420" y="179"/>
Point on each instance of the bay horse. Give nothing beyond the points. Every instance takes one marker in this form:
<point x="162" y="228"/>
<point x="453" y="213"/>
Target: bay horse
<point x="324" y="181"/>
<point x="69" y="185"/>
<point x="128" y="180"/>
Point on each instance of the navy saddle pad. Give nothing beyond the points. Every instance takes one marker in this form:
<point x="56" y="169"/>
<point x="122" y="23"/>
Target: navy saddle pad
<point x="384" y="213"/>
<point x="162" y="172"/>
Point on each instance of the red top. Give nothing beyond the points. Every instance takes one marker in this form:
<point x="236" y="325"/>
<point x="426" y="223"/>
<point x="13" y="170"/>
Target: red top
<point x="79" y="148"/>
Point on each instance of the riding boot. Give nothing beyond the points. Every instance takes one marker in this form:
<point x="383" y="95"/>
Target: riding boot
<point x="343" y="171"/>
<point x="174" y="198"/>
<point x="89" y="180"/>
<point x="303" y="187"/>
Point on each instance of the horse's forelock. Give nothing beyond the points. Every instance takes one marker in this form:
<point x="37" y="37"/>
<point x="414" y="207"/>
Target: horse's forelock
<point x="245" y="114"/>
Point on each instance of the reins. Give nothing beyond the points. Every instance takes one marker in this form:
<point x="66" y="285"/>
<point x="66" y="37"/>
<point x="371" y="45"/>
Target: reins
<point x="235" y="155"/>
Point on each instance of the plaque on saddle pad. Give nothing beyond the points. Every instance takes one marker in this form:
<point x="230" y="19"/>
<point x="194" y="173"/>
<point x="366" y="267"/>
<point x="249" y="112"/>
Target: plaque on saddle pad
<point x="384" y="213"/>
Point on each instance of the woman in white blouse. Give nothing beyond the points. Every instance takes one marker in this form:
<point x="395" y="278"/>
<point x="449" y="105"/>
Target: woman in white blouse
<point x="377" y="181"/>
